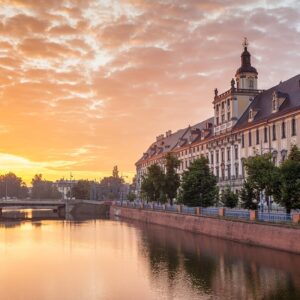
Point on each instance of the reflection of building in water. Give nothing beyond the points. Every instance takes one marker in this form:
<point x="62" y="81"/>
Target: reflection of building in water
<point x="64" y="186"/>
<point x="218" y="268"/>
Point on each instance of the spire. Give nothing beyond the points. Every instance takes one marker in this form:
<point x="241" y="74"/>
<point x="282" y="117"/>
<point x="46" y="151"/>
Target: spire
<point x="246" y="60"/>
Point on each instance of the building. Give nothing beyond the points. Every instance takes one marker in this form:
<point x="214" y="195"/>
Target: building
<point x="246" y="122"/>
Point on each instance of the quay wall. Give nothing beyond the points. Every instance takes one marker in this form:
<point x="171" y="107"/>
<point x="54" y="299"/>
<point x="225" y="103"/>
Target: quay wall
<point x="280" y="237"/>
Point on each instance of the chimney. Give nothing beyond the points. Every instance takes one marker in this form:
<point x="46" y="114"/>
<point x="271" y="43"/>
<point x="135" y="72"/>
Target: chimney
<point x="168" y="133"/>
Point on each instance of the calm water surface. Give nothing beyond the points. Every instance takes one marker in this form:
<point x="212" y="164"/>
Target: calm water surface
<point x="112" y="259"/>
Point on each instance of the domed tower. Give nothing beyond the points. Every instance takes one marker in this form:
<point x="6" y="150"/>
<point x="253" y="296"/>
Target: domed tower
<point x="246" y="75"/>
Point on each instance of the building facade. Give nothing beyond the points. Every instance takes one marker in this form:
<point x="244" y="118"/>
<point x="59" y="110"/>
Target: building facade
<point x="246" y="122"/>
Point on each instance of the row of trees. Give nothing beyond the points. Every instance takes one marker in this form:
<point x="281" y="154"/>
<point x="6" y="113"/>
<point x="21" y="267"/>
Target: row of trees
<point x="198" y="186"/>
<point x="109" y="188"/>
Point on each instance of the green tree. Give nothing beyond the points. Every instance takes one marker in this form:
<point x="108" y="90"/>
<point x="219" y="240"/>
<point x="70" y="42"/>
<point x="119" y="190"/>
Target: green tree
<point x="43" y="189"/>
<point x="229" y="198"/>
<point x="262" y="174"/>
<point x="82" y="189"/>
<point x="288" y="192"/>
<point x="248" y="197"/>
<point x="152" y="186"/>
<point x="12" y="186"/>
<point x="131" y="196"/>
<point x="198" y="185"/>
<point x="172" y="178"/>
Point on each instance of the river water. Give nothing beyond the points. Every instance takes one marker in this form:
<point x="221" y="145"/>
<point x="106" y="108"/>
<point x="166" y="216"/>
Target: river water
<point x="114" y="259"/>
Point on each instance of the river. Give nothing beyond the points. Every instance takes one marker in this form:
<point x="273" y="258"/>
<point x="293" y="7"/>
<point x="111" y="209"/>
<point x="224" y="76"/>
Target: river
<point x="117" y="259"/>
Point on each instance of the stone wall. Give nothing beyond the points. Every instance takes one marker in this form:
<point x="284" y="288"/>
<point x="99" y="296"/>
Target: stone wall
<point x="274" y="236"/>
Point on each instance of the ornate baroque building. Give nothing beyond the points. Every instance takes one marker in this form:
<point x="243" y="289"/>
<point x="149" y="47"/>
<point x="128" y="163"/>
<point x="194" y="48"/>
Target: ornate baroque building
<point x="246" y="122"/>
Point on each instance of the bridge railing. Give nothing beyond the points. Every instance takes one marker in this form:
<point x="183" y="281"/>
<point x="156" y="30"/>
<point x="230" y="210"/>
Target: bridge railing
<point x="228" y="213"/>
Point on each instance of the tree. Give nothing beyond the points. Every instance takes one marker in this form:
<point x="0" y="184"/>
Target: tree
<point x="248" y="197"/>
<point x="229" y="198"/>
<point x="43" y="189"/>
<point x="82" y="189"/>
<point x="111" y="187"/>
<point x="262" y="174"/>
<point x="172" y="178"/>
<point x="288" y="193"/>
<point x="131" y="196"/>
<point x="198" y="185"/>
<point x="152" y="186"/>
<point x="12" y="186"/>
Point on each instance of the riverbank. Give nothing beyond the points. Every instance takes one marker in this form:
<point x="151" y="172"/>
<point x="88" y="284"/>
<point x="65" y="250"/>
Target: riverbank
<point x="280" y="237"/>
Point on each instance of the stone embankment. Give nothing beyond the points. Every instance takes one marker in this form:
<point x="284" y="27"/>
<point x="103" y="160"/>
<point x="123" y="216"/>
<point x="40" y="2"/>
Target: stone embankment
<point x="275" y="236"/>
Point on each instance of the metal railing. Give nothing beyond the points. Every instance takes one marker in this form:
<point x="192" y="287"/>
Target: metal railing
<point x="274" y="217"/>
<point x="238" y="214"/>
<point x="209" y="211"/>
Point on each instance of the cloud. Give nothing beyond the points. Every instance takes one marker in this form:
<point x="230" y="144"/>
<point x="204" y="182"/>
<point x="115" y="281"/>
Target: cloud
<point x="113" y="75"/>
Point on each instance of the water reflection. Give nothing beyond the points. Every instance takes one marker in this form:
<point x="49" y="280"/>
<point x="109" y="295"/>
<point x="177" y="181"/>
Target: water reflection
<point x="109" y="259"/>
<point x="222" y="269"/>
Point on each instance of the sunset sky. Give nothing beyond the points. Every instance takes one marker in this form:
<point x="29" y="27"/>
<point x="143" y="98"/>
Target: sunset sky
<point x="85" y="85"/>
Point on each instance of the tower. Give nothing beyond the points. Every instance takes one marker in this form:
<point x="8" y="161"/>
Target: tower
<point x="246" y="75"/>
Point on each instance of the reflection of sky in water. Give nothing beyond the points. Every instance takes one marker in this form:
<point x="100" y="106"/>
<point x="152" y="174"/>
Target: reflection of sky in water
<point x="106" y="259"/>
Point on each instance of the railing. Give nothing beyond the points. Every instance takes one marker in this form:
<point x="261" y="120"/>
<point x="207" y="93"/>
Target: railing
<point x="274" y="217"/>
<point x="188" y="210"/>
<point x="209" y="211"/>
<point x="238" y="214"/>
<point x="212" y="211"/>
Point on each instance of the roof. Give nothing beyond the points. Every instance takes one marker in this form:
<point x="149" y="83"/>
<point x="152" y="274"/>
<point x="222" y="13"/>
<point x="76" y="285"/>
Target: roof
<point x="180" y="138"/>
<point x="246" y="63"/>
<point x="262" y="103"/>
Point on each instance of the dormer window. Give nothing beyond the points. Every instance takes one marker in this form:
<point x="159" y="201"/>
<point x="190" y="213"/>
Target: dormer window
<point x="252" y="114"/>
<point x="278" y="99"/>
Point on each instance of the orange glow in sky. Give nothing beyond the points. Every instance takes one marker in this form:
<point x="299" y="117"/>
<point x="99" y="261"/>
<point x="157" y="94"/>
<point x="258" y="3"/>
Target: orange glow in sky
<point x="86" y="85"/>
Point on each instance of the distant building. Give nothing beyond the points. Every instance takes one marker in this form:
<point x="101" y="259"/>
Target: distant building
<point x="246" y="122"/>
<point x="64" y="186"/>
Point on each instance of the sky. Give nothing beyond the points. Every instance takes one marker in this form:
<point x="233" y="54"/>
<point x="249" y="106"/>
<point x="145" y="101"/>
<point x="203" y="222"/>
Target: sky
<point x="89" y="84"/>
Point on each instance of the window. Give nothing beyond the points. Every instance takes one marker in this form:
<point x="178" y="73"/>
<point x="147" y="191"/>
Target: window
<point x="257" y="136"/>
<point x="243" y="141"/>
<point x="222" y="105"/>
<point x="236" y="170"/>
<point x="212" y="158"/>
<point x="228" y="103"/>
<point x="217" y="120"/>
<point x="228" y="154"/>
<point x="217" y="156"/>
<point x="236" y="153"/>
<point x="283" y="130"/>
<point x="294" y="129"/>
<point x="223" y="118"/>
<point x="250" y="138"/>
<point x="228" y="171"/>
<point x="251" y="84"/>
<point x="283" y="155"/>
<point x="222" y="155"/>
<point x="217" y="172"/>
<point x="228" y="116"/>
<point x="274" y="132"/>
<point x="265" y="134"/>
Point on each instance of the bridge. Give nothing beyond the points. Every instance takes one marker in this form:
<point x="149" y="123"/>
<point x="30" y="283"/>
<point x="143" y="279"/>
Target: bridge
<point x="58" y="205"/>
<point x="62" y="207"/>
